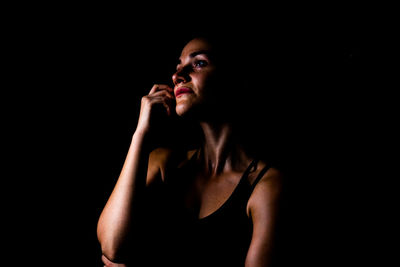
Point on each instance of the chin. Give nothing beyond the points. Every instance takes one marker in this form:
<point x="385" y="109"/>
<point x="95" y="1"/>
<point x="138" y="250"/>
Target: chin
<point x="186" y="110"/>
<point x="181" y="110"/>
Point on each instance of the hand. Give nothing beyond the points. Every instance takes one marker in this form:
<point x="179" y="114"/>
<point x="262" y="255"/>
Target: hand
<point x="108" y="263"/>
<point x="155" y="107"/>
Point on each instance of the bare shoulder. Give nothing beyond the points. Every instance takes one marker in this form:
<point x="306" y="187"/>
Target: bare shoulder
<point x="268" y="189"/>
<point x="270" y="174"/>
<point x="163" y="158"/>
<point x="160" y="156"/>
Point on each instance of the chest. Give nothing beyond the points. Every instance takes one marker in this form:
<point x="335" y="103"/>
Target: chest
<point x="206" y="195"/>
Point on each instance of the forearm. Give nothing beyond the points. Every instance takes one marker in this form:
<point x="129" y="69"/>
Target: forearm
<point x="121" y="208"/>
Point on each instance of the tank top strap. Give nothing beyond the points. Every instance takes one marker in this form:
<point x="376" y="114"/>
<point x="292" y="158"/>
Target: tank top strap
<point x="259" y="176"/>
<point x="252" y="165"/>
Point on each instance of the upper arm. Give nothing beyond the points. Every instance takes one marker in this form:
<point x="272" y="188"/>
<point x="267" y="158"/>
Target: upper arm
<point x="263" y="209"/>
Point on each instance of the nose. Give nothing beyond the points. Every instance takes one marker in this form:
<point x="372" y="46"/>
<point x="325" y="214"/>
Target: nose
<point x="180" y="76"/>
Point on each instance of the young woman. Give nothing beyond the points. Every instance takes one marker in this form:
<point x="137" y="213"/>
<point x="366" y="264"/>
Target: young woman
<point x="213" y="204"/>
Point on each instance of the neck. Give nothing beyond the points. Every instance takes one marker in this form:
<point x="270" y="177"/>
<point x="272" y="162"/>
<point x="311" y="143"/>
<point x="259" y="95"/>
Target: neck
<point x="220" y="150"/>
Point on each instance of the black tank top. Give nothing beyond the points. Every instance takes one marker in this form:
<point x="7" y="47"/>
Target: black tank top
<point x="219" y="239"/>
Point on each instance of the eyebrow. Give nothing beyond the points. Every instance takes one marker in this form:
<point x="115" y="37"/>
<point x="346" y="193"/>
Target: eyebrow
<point x="192" y="55"/>
<point x="195" y="53"/>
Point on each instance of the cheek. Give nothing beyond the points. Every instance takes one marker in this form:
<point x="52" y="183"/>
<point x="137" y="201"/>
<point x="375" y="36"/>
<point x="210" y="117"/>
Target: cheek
<point x="205" y="83"/>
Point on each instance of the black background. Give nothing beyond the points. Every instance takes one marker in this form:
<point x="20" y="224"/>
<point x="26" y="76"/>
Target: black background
<point x="76" y="77"/>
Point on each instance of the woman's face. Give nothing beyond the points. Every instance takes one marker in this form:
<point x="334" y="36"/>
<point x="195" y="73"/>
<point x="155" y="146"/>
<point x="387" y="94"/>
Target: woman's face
<point x="194" y="79"/>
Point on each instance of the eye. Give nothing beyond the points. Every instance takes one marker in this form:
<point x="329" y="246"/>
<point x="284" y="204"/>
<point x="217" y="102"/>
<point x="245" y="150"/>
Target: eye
<point x="200" y="63"/>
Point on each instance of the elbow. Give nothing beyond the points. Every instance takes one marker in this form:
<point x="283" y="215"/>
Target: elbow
<point x="110" y="255"/>
<point x="111" y="252"/>
<point x="109" y="248"/>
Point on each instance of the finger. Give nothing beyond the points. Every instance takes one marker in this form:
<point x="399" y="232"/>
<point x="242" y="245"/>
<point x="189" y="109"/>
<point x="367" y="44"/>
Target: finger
<point x="158" y="87"/>
<point x="162" y="93"/>
<point x="168" y="103"/>
<point x="107" y="262"/>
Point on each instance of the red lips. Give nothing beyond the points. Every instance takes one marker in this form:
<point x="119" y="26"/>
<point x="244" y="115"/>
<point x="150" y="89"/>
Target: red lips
<point x="183" y="90"/>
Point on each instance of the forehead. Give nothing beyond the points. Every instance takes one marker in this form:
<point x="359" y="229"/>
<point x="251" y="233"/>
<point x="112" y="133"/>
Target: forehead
<point x="195" y="45"/>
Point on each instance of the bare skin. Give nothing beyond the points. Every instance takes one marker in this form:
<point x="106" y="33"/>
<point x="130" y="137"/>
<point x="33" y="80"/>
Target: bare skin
<point x="222" y="161"/>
